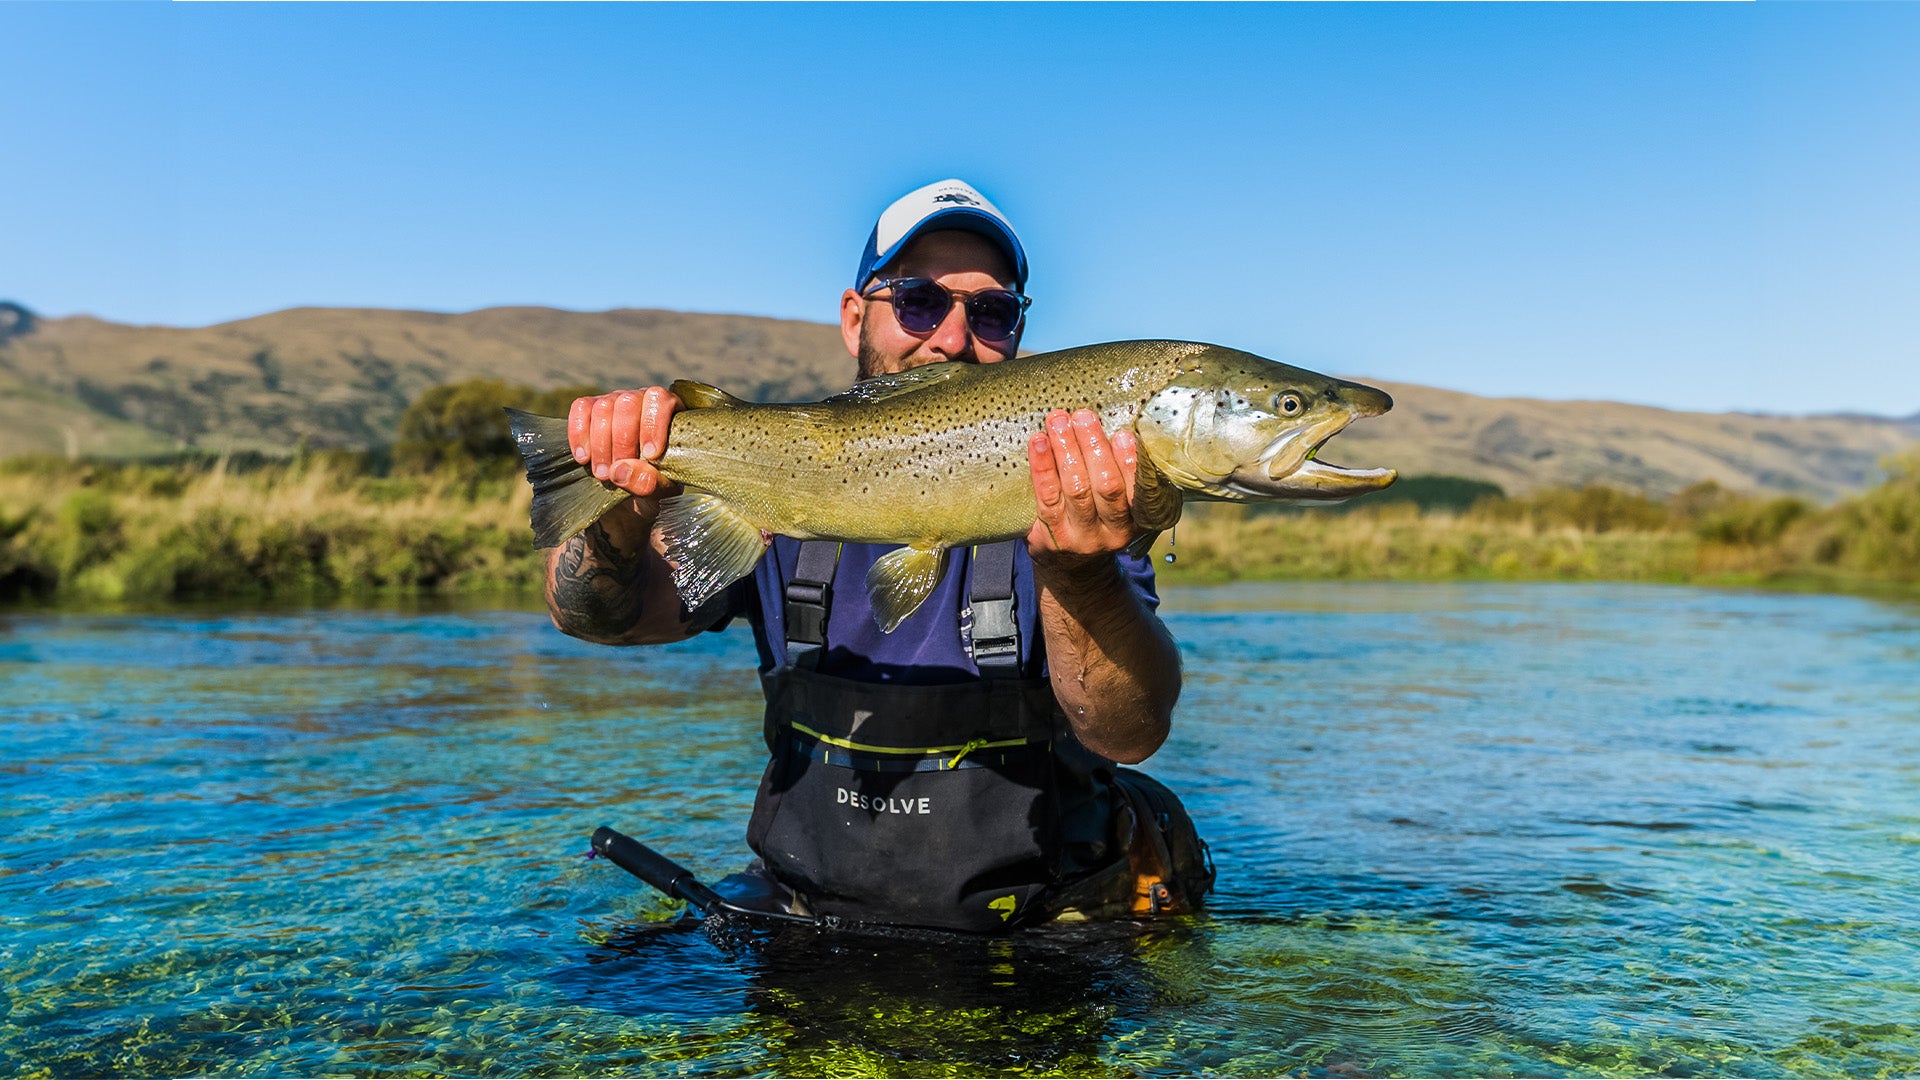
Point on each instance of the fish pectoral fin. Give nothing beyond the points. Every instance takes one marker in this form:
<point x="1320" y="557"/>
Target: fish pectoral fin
<point x="900" y="581"/>
<point x="709" y="545"/>
<point x="566" y="497"/>
<point x="882" y="387"/>
<point x="1157" y="500"/>
<point x="699" y="395"/>
<point x="1142" y="544"/>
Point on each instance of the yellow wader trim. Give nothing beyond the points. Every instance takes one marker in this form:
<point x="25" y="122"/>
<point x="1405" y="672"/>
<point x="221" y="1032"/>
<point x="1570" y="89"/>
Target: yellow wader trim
<point x="868" y="748"/>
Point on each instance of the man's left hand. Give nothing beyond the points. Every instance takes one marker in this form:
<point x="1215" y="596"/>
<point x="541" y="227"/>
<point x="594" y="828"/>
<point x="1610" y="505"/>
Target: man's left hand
<point x="1083" y="481"/>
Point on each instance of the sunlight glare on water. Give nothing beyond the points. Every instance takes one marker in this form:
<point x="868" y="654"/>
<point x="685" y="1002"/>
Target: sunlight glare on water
<point x="1461" y="830"/>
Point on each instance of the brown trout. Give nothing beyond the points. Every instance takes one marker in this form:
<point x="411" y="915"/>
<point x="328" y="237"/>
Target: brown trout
<point x="936" y="457"/>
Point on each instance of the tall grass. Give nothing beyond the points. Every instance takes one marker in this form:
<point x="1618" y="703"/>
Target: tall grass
<point x="321" y="528"/>
<point x="307" y="531"/>
<point x="1703" y="534"/>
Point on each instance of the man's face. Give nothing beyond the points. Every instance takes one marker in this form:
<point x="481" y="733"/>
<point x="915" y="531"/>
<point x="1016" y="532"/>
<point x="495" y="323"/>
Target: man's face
<point x="961" y="261"/>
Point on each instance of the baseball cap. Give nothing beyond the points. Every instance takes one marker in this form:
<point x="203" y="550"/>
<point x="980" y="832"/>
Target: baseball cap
<point x="947" y="204"/>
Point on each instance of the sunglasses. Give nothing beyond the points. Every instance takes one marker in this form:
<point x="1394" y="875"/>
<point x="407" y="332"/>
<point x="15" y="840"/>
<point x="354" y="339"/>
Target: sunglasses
<point x="921" y="304"/>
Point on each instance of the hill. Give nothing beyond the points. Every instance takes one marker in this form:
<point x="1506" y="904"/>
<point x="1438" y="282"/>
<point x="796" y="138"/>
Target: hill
<point x="1523" y="444"/>
<point x="340" y="377"/>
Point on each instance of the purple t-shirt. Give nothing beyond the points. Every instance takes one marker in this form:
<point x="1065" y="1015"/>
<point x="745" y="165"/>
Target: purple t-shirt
<point x="925" y="649"/>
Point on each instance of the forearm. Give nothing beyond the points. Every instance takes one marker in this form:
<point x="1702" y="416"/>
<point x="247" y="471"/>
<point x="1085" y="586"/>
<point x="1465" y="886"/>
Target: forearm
<point x="1114" y="667"/>
<point x="612" y="585"/>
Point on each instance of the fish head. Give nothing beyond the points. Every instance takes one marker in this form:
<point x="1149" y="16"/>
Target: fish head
<point x="1231" y="425"/>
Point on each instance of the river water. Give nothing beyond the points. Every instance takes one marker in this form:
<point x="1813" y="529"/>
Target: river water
<point x="1461" y="830"/>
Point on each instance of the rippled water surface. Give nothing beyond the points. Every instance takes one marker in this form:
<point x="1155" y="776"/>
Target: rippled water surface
<point x="1461" y="830"/>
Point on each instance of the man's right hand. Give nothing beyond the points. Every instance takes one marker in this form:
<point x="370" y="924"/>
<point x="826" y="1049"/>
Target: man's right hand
<point x="620" y="436"/>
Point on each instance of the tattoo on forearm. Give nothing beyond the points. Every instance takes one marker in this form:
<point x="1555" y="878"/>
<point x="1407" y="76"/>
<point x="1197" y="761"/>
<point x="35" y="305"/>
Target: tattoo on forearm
<point x="596" y="589"/>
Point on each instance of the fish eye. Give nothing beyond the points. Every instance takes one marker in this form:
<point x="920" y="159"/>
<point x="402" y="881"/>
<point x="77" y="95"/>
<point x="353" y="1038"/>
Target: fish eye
<point x="1288" y="403"/>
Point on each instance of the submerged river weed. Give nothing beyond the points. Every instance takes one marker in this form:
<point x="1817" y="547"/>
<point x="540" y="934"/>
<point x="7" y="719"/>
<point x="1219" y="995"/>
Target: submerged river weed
<point x="1469" y="829"/>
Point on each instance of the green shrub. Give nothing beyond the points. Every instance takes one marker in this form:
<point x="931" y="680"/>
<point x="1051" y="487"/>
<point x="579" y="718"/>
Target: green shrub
<point x="1595" y="509"/>
<point x="1751" y="522"/>
<point x="463" y="426"/>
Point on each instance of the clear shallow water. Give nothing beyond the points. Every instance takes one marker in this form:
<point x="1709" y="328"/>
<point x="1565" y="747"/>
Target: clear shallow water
<point x="1462" y="830"/>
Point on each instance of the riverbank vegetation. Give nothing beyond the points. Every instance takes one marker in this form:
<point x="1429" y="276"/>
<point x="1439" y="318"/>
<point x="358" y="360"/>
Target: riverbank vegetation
<point x="1702" y="535"/>
<point x="444" y="513"/>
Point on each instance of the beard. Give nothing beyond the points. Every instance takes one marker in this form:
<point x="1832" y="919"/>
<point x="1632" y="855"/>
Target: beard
<point x="874" y="361"/>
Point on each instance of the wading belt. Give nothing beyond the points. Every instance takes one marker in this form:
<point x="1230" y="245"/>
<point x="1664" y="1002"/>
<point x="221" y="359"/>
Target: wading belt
<point x="988" y="627"/>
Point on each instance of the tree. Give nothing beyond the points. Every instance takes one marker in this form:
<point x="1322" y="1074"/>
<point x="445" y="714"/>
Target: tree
<point x="462" y="426"/>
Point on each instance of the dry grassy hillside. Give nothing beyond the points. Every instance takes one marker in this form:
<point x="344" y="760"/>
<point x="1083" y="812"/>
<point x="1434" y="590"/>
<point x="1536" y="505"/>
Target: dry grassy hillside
<point x="1524" y="444"/>
<point x="341" y="377"/>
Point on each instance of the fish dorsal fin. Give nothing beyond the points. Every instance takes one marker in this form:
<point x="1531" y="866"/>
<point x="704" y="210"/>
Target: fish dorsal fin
<point x="882" y="387"/>
<point x="699" y="395"/>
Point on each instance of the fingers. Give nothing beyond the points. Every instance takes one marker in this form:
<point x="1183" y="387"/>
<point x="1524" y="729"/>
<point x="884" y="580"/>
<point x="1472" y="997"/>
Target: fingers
<point x="1083" y="484"/>
<point x="1126" y="451"/>
<point x="579" y="420"/>
<point x="619" y="436"/>
<point x="1106" y="482"/>
<point x="1046" y="475"/>
<point x="656" y="416"/>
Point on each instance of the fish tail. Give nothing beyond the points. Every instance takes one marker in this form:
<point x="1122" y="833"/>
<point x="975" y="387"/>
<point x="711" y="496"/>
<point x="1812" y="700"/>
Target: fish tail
<point x="566" y="496"/>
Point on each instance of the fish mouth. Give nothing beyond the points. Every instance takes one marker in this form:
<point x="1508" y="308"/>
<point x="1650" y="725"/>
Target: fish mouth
<point x="1290" y="467"/>
<point x="1321" y="481"/>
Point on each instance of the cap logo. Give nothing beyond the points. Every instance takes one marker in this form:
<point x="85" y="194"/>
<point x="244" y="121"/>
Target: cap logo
<point x="958" y="197"/>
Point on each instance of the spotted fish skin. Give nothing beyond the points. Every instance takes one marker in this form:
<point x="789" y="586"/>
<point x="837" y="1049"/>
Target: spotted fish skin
<point x="936" y="457"/>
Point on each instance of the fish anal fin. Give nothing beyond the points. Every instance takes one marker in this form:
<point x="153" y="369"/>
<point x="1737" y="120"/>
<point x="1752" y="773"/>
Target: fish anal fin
<point x="699" y="395"/>
<point x="709" y="545"/>
<point x="566" y="497"/>
<point x="900" y="581"/>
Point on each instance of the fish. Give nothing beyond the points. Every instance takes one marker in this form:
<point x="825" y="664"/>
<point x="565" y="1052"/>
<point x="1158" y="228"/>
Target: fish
<point x="935" y="457"/>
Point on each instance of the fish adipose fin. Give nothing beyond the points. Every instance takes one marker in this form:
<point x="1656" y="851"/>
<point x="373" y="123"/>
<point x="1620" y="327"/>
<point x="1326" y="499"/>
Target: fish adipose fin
<point x="900" y="581"/>
<point x="882" y="387"/>
<point x="566" y="497"/>
<point x="699" y="395"/>
<point x="709" y="545"/>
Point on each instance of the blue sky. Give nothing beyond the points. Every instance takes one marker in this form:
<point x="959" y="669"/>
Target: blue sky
<point x="1695" y="206"/>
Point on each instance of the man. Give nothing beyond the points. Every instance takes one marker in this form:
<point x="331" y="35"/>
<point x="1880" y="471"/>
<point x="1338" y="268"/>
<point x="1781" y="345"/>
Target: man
<point x="957" y="771"/>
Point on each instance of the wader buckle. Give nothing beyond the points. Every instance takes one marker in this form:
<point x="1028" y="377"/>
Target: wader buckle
<point x="806" y="613"/>
<point x="994" y="637"/>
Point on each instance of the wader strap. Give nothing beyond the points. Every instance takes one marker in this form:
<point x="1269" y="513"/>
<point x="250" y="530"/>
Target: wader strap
<point x="994" y="640"/>
<point x="810" y="597"/>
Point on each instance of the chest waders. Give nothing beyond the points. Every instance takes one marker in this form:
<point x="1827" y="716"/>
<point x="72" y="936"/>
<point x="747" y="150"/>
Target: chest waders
<point x="926" y="805"/>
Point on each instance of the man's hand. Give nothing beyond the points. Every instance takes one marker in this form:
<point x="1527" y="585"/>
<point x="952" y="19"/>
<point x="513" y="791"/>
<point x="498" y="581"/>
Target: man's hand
<point x="1113" y="667"/>
<point x="621" y="435"/>
<point x="611" y="583"/>
<point x="1083" y="481"/>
